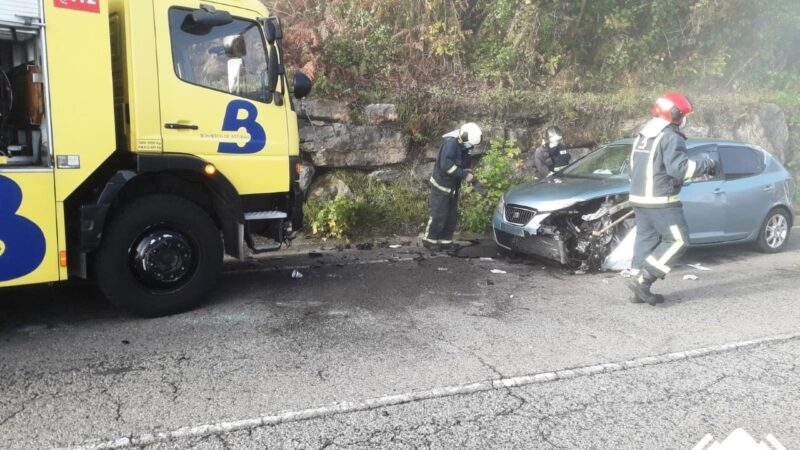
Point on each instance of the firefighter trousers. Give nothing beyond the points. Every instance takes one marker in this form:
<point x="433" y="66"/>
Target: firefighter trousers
<point x="444" y="216"/>
<point x="661" y="238"/>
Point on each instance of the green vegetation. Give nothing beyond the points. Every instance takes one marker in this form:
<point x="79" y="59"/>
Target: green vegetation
<point x="359" y="47"/>
<point x="377" y="209"/>
<point x="498" y="170"/>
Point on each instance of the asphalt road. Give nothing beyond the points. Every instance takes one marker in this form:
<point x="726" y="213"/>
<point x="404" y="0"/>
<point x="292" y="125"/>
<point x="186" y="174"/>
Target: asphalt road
<point x="398" y="348"/>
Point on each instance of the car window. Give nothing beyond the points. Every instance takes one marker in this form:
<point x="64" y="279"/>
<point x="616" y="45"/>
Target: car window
<point x="228" y="58"/>
<point x="698" y="153"/>
<point x="740" y="162"/>
<point x="606" y="162"/>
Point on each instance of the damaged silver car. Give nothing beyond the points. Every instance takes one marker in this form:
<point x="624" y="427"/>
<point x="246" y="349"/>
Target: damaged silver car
<point x="581" y="214"/>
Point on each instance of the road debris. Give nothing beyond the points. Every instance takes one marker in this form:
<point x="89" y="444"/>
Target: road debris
<point x="498" y="271"/>
<point x="395" y="246"/>
<point x="698" y="266"/>
<point x="442" y="269"/>
<point x="485" y="258"/>
<point x="296" y="274"/>
<point x="691" y="277"/>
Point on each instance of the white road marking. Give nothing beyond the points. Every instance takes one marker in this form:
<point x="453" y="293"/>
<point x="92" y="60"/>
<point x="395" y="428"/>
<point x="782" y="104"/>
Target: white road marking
<point x="409" y="397"/>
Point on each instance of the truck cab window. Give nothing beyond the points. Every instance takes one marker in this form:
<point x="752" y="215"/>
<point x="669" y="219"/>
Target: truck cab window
<point x="228" y="58"/>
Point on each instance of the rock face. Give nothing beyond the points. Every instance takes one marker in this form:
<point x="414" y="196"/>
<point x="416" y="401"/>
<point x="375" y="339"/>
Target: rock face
<point x="329" y="187"/>
<point x="767" y="128"/>
<point x="376" y="142"/>
<point x="387" y="175"/>
<point x="340" y="145"/>
<point x="381" y="113"/>
<point x="306" y="175"/>
<point x="325" y="110"/>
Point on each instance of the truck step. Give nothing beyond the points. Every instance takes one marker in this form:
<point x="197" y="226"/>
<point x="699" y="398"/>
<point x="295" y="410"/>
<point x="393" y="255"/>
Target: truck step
<point x="266" y="248"/>
<point x="264" y="215"/>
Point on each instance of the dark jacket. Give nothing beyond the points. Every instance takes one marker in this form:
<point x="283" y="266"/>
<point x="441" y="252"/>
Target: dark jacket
<point x="660" y="166"/>
<point x="452" y="165"/>
<point x="547" y="159"/>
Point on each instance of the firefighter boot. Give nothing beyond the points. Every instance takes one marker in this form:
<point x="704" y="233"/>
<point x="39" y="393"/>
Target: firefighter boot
<point x="641" y="288"/>
<point x="635" y="299"/>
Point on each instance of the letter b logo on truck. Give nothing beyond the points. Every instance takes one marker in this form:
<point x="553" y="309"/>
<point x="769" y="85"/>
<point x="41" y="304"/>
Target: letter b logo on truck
<point x="22" y="243"/>
<point x="232" y="122"/>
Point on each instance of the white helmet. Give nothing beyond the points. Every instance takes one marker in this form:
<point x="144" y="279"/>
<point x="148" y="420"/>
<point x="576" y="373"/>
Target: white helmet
<point x="470" y="133"/>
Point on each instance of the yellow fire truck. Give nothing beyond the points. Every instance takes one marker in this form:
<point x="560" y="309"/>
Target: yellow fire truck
<point x="139" y="141"/>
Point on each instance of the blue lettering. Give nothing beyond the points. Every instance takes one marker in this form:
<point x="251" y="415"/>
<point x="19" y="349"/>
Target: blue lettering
<point x="232" y="122"/>
<point x="22" y="243"/>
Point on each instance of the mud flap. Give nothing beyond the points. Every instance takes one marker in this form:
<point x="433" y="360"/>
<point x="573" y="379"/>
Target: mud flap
<point x="620" y="258"/>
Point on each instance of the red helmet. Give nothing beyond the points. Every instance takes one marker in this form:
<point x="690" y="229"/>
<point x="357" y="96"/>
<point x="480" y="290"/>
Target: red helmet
<point x="672" y="106"/>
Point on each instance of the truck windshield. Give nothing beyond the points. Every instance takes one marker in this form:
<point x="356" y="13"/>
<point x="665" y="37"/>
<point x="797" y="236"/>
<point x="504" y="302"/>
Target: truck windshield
<point x="229" y="58"/>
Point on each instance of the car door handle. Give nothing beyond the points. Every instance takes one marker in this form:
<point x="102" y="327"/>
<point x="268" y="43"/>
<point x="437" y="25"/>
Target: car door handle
<point x="718" y="191"/>
<point x="181" y="126"/>
<point x="769" y="188"/>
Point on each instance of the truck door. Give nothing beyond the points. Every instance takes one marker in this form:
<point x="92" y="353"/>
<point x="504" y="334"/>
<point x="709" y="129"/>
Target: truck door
<point x="28" y="237"/>
<point x="214" y="102"/>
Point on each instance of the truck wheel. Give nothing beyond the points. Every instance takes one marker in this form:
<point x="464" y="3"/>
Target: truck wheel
<point x="160" y="255"/>
<point x="774" y="232"/>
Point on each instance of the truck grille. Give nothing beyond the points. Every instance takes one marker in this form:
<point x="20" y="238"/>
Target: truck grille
<point x="519" y="215"/>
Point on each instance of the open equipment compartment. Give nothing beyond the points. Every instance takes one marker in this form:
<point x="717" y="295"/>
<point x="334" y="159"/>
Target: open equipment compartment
<point x="23" y="106"/>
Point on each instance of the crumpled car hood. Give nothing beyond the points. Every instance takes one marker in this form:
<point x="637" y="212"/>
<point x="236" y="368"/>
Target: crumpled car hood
<point x="552" y="195"/>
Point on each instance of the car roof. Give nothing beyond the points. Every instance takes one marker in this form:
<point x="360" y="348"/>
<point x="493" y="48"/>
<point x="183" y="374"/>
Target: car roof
<point x="692" y="142"/>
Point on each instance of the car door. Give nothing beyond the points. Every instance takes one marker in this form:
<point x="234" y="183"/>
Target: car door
<point x="704" y="202"/>
<point x="748" y="196"/>
<point x="214" y="101"/>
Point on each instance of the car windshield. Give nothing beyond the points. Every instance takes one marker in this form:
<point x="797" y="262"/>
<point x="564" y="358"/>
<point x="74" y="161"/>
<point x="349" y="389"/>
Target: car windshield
<point x="611" y="161"/>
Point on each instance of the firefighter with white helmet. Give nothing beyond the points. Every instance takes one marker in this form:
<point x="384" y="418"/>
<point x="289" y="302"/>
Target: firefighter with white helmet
<point x="659" y="167"/>
<point x="453" y="165"/>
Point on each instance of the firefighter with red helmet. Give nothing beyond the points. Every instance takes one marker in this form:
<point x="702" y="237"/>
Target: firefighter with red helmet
<point x="659" y="167"/>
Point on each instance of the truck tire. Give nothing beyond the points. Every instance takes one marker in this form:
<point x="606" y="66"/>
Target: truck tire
<point x="160" y="255"/>
<point x="775" y="231"/>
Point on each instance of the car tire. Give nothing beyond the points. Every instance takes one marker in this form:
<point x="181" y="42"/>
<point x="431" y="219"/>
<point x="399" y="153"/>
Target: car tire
<point x="160" y="255"/>
<point x="775" y="231"/>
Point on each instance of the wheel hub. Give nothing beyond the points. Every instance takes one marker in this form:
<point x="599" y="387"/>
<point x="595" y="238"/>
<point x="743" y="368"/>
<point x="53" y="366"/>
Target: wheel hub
<point x="777" y="231"/>
<point x="162" y="258"/>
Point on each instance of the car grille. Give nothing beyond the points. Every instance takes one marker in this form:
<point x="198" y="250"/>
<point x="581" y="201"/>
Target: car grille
<point x="519" y="215"/>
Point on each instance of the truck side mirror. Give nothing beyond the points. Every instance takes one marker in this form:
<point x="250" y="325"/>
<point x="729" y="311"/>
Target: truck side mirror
<point x="302" y="85"/>
<point x="272" y="69"/>
<point x="272" y="28"/>
<point x="271" y="31"/>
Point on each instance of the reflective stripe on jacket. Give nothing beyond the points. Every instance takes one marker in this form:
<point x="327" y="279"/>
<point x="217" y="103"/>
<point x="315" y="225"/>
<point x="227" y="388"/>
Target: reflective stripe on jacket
<point x="660" y="166"/>
<point x="452" y="166"/>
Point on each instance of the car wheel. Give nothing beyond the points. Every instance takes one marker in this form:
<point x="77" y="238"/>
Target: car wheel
<point x="160" y="255"/>
<point x="774" y="232"/>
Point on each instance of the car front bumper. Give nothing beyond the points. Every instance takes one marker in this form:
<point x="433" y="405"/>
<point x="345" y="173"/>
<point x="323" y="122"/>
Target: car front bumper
<point x="524" y="239"/>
